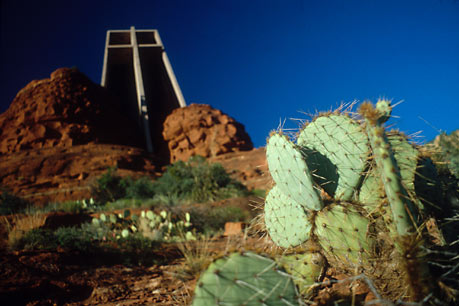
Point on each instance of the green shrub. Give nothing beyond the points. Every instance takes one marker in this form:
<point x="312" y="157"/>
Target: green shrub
<point x="195" y="180"/>
<point x="138" y="250"/>
<point x="198" y="181"/>
<point x="36" y="239"/>
<point x="73" y="238"/>
<point x="109" y="187"/>
<point x="130" y="203"/>
<point x="142" y="188"/>
<point x="11" y="204"/>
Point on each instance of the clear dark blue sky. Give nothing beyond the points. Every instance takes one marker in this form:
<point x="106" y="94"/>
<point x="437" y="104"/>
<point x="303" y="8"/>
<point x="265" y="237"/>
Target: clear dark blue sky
<point x="259" y="61"/>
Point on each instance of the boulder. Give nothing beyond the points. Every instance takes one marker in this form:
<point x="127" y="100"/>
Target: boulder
<point x="199" y="129"/>
<point x="65" y="110"/>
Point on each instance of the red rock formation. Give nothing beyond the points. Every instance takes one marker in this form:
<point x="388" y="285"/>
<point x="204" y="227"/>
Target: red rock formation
<point x="66" y="173"/>
<point x="60" y="134"/>
<point x="248" y="167"/>
<point x="67" y="109"/>
<point x="199" y="129"/>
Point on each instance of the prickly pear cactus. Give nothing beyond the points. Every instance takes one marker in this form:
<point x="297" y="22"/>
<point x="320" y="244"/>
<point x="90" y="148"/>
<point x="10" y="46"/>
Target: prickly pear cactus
<point x="291" y="173"/>
<point x="342" y="141"/>
<point x="306" y="269"/>
<point x="406" y="156"/>
<point x="358" y="192"/>
<point x="245" y="279"/>
<point x="286" y="220"/>
<point x="344" y="233"/>
<point x="403" y="210"/>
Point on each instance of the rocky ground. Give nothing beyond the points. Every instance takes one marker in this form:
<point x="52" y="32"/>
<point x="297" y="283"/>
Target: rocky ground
<point x="66" y="278"/>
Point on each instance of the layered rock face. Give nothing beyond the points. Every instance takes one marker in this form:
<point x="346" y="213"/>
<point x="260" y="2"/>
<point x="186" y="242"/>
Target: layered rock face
<point x="199" y="129"/>
<point x="60" y="134"/>
<point x="64" y="174"/>
<point x="65" y="110"/>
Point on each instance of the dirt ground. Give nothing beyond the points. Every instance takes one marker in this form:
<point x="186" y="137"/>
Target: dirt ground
<point x="54" y="278"/>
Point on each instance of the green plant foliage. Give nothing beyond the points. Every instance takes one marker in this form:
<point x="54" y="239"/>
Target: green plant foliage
<point x="291" y="173"/>
<point x="142" y="188"/>
<point x="198" y="181"/>
<point x="245" y="279"/>
<point x="11" y="204"/>
<point x="372" y="188"/>
<point x="109" y="187"/>
<point x="449" y="145"/>
<point x="286" y="221"/>
<point x="74" y="238"/>
<point x="342" y="141"/>
<point x="163" y="227"/>
<point x="343" y="232"/>
<point x="195" y="180"/>
<point x="37" y="239"/>
<point x="402" y="208"/>
<point x="305" y="268"/>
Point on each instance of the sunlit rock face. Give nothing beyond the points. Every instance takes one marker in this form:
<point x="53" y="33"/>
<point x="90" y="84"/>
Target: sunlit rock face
<point x="199" y="129"/>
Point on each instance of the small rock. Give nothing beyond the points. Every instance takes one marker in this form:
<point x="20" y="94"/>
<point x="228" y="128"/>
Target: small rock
<point x="233" y="228"/>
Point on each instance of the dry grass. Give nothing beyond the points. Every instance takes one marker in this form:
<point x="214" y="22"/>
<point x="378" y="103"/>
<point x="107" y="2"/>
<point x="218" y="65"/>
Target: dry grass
<point x="197" y="255"/>
<point x="21" y="224"/>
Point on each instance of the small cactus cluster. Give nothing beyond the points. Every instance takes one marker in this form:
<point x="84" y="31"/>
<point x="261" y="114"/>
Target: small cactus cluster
<point x="119" y="225"/>
<point x="158" y="227"/>
<point x="162" y="227"/>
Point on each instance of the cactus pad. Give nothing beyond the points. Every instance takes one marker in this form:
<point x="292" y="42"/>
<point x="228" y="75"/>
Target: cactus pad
<point x="343" y="142"/>
<point x="291" y="173"/>
<point x="343" y="232"/>
<point x="306" y="269"/>
<point x="286" y="221"/>
<point x="406" y="157"/>
<point x="245" y="279"/>
<point x="371" y="192"/>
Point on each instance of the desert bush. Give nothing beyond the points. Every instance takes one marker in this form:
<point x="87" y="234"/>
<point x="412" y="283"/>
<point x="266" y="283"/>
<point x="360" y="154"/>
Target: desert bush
<point x="70" y="238"/>
<point x="99" y="231"/>
<point x="138" y="250"/>
<point x="198" y="181"/>
<point x="193" y="181"/>
<point x="130" y="203"/>
<point x="11" y="204"/>
<point x="73" y="238"/>
<point x="36" y="239"/>
<point x="142" y="188"/>
<point x="261" y="193"/>
<point x="109" y="187"/>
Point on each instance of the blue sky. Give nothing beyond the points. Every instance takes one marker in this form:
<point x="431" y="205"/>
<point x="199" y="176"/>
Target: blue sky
<point x="259" y="61"/>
